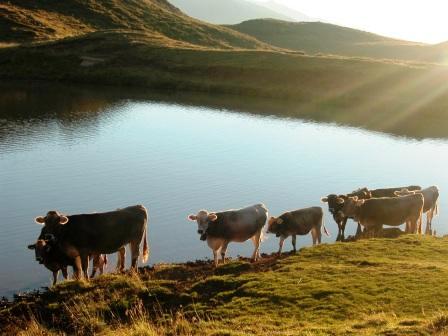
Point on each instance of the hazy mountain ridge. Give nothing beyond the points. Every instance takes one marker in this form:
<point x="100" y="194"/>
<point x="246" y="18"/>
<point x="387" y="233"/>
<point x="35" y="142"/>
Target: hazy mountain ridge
<point x="324" y="38"/>
<point x="236" y="11"/>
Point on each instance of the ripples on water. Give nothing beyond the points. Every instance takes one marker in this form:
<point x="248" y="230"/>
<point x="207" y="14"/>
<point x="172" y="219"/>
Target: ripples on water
<point x="82" y="152"/>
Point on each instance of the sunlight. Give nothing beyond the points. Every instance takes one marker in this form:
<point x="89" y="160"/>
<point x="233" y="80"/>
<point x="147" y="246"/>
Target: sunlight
<point x="409" y="20"/>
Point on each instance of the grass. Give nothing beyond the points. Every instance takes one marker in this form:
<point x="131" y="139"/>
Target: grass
<point x="369" y="287"/>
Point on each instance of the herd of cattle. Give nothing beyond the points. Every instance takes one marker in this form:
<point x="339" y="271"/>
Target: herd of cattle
<point x="75" y="240"/>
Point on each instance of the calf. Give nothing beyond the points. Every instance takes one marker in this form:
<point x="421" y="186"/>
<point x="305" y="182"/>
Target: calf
<point x="394" y="211"/>
<point x="49" y="254"/>
<point x="334" y="207"/>
<point x="221" y="228"/>
<point x="430" y="207"/>
<point x="298" y="222"/>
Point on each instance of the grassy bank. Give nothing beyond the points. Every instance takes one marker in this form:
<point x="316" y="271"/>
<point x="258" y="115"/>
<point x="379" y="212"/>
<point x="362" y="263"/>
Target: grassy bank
<point x="380" y="286"/>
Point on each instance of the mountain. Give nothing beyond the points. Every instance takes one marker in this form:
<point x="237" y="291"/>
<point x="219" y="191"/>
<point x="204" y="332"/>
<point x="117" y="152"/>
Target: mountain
<point x="287" y="11"/>
<point x="324" y="38"/>
<point x="28" y="21"/>
<point x="234" y="11"/>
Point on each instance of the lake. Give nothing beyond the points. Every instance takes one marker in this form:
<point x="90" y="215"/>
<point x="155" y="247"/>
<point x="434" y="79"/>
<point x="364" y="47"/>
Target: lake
<point x="80" y="150"/>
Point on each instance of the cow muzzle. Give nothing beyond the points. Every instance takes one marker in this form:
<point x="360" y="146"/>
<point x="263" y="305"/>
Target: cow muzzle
<point x="203" y="236"/>
<point x="40" y="260"/>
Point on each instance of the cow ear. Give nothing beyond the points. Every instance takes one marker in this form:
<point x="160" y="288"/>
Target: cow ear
<point x="340" y="200"/>
<point x="63" y="220"/>
<point x="279" y="220"/>
<point x="192" y="217"/>
<point x="40" y="220"/>
<point x="32" y="246"/>
<point x="324" y="199"/>
<point x="212" y="217"/>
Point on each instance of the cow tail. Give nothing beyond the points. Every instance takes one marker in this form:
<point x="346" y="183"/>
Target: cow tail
<point x="436" y="209"/>
<point x="145" y="248"/>
<point x="325" y="229"/>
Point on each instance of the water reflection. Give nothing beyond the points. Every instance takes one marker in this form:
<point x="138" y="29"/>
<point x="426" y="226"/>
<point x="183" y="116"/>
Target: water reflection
<point x="88" y="149"/>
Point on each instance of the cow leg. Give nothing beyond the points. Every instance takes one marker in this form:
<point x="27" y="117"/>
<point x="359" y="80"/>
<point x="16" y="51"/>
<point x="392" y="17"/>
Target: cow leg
<point x="78" y="268"/>
<point x="314" y="235"/>
<point x="293" y="241"/>
<point x="135" y="253"/>
<point x="343" y="225"/>
<point x="215" y="257"/>
<point x="224" y="251"/>
<point x="256" y="239"/>
<point x="64" y="272"/>
<point x="85" y="265"/>
<point x="280" y="245"/>
<point x="55" y="277"/>
<point x="408" y="227"/>
<point x="94" y="265"/>
<point x="121" y="257"/>
<point x="358" y="230"/>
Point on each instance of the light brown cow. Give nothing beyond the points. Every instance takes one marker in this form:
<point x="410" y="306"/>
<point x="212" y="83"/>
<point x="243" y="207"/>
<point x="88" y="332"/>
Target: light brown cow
<point x="394" y="211"/>
<point x="298" y="222"/>
<point x="221" y="228"/>
<point x="430" y="207"/>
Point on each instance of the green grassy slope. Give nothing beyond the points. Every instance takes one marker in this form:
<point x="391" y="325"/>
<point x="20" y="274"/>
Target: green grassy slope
<point x="318" y="37"/>
<point x="371" y="287"/>
<point x="22" y="20"/>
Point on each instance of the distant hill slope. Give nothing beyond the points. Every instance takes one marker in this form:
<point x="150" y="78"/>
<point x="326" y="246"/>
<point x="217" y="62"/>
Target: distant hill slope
<point x="233" y="11"/>
<point x="23" y="20"/>
<point x="318" y="37"/>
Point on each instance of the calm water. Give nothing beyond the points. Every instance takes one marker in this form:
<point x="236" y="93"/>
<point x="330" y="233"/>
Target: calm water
<point x="80" y="151"/>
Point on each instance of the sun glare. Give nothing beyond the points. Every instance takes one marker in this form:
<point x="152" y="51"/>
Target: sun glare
<point x="423" y="21"/>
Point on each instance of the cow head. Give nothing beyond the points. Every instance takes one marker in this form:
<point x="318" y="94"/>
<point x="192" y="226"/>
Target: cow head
<point x="333" y="205"/>
<point x="349" y="205"/>
<point x="403" y="192"/>
<point x="203" y="218"/>
<point x="275" y="226"/>
<point x="42" y="248"/>
<point x="52" y="219"/>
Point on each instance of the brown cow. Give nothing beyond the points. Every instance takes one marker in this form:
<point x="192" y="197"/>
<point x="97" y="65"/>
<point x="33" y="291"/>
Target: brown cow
<point x="430" y="207"/>
<point x="79" y="236"/>
<point x="298" y="222"/>
<point x="394" y="211"/>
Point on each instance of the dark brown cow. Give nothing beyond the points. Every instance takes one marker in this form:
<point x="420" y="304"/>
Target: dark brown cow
<point x="48" y="253"/>
<point x="335" y="209"/>
<point x="79" y="236"/>
<point x="430" y="207"/>
<point x="298" y="222"/>
<point x="394" y="211"/>
<point x="221" y="228"/>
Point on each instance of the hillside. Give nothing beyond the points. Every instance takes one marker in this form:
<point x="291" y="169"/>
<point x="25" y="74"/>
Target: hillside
<point x="337" y="289"/>
<point x="234" y="11"/>
<point x="28" y="21"/>
<point x="318" y="37"/>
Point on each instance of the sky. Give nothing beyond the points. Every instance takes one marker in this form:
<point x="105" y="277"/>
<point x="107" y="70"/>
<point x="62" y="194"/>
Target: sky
<point x="415" y="20"/>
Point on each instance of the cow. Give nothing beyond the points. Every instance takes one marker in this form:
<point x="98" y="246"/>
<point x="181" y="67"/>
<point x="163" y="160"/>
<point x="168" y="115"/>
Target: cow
<point x="79" y="236"/>
<point x="334" y="207"/>
<point x="374" y="212"/>
<point x="430" y="207"/>
<point x="298" y="222"/>
<point x="221" y="228"/>
<point x="49" y="254"/>
<point x="390" y="192"/>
